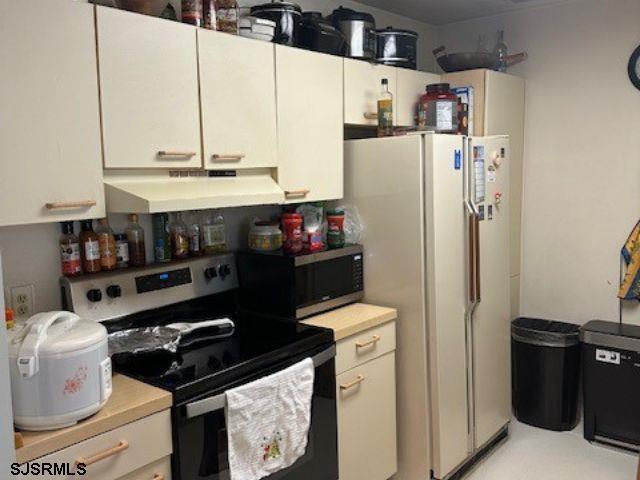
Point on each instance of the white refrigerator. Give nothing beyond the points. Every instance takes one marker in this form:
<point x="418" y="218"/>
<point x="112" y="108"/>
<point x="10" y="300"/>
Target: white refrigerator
<point x="435" y="210"/>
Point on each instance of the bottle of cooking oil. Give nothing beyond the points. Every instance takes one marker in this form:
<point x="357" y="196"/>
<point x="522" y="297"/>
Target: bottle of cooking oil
<point x="385" y="110"/>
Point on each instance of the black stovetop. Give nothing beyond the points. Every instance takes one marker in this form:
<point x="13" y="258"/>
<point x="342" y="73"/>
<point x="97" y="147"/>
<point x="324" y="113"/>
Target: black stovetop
<point x="208" y="365"/>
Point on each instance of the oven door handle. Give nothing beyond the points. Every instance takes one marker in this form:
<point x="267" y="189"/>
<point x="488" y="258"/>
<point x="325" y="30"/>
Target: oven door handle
<point x="218" y="402"/>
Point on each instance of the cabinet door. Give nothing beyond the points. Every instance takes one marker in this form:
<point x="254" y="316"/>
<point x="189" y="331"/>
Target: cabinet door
<point x="238" y="98"/>
<point x="149" y="91"/>
<point x="362" y="87"/>
<point x="367" y="420"/>
<point x="310" y="127"/>
<point x="411" y="86"/>
<point x="51" y="168"/>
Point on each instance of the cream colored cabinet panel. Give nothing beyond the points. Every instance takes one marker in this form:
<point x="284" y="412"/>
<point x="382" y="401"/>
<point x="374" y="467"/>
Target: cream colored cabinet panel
<point x="411" y="86"/>
<point x="362" y="87"/>
<point x="160" y="470"/>
<point x="149" y="91"/>
<point x="238" y="98"/>
<point x="367" y="420"/>
<point x="119" y="452"/>
<point x="310" y="127"/>
<point x="51" y="167"/>
<point x="357" y="349"/>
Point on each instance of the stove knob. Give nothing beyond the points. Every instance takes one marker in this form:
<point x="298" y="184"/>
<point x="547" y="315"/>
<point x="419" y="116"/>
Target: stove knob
<point x="94" y="295"/>
<point x="224" y="271"/>
<point x="210" y="273"/>
<point x="114" y="291"/>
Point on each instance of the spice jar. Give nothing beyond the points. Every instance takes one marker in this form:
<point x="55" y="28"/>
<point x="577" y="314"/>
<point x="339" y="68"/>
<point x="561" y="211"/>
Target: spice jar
<point x="122" y="250"/>
<point x="335" y="232"/>
<point x="70" y="251"/>
<point x="292" y="232"/>
<point x="135" y="239"/>
<point x="179" y="238"/>
<point x="265" y="236"/>
<point x="161" y="237"/>
<point x="89" y="247"/>
<point x="107" y="243"/>
<point x="438" y="109"/>
<point x="192" y="12"/>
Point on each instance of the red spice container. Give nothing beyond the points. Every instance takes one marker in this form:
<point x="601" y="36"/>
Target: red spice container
<point x="292" y="232"/>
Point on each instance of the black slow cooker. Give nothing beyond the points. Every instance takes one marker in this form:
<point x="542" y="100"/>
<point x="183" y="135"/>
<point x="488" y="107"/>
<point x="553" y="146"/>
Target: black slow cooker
<point x="287" y="16"/>
<point x="318" y="34"/>
<point x="398" y="48"/>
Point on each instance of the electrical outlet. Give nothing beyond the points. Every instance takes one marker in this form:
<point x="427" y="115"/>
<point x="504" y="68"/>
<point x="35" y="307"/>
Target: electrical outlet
<point x="22" y="301"/>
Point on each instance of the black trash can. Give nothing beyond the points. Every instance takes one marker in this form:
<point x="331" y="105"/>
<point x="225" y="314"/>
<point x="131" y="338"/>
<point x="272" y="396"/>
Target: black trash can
<point x="545" y="371"/>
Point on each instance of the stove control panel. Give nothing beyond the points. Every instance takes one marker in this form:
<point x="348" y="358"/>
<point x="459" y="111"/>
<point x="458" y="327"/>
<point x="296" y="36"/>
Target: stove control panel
<point x="108" y="295"/>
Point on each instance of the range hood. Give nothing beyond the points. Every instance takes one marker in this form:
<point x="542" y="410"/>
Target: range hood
<point x="180" y="191"/>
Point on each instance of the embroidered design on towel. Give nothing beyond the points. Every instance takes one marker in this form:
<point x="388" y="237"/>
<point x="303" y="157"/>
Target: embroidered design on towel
<point x="271" y="448"/>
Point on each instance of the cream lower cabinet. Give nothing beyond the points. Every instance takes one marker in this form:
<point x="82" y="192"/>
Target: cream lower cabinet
<point x="238" y="101"/>
<point x="149" y="91"/>
<point x="310" y="126"/>
<point x="411" y="85"/>
<point x="51" y="167"/>
<point x="140" y="450"/>
<point x="362" y="87"/>
<point x="366" y="404"/>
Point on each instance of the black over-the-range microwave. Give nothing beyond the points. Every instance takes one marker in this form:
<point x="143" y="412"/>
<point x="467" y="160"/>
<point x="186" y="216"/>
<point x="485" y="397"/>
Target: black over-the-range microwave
<point x="295" y="287"/>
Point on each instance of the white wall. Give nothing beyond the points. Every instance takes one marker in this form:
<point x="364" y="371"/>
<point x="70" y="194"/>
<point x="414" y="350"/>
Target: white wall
<point x="31" y="256"/>
<point x="427" y="33"/>
<point x="582" y="149"/>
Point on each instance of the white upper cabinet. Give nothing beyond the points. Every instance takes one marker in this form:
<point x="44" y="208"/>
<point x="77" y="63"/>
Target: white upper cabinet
<point x="237" y="90"/>
<point x="310" y="124"/>
<point x="149" y="91"/>
<point x="411" y="86"/>
<point x="362" y="87"/>
<point x="51" y="167"/>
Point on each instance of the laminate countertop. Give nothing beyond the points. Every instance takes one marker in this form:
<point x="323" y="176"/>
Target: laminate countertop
<point x="353" y="319"/>
<point x="131" y="400"/>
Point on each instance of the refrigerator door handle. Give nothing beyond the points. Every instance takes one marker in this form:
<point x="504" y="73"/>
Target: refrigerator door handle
<point x="476" y="221"/>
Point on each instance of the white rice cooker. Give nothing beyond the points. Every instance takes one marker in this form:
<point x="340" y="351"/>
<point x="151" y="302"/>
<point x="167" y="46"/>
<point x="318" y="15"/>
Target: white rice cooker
<point x="60" y="370"/>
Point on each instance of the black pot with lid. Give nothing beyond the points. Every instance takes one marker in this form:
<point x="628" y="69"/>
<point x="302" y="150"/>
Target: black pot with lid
<point x="359" y="30"/>
<point x="397" y="47"/>
<point x="287" y="16"/>
<point x="319" y="34"/>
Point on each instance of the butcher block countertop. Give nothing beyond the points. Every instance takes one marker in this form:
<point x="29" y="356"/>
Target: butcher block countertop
<point x="353" y="319"/>
<point x="131" y="400"/>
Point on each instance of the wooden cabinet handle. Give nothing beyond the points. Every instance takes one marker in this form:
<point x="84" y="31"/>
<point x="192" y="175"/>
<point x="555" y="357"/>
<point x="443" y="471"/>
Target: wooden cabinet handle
<point x="370" y="115"/>
<point x="227" y="157"/>
<point x="375" y="339"/>
<point x="175" y="155"/>
<point x="296" y="193"/>
<point x="158" y="476"/>
<point x="346" y="386"/>
<point x="77" y="204"/>
<point x="110" y="452"/>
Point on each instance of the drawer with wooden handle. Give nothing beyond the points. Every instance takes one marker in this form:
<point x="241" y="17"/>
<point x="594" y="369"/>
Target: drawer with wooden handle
<point x="118" y="452"/>
<point x="158" y="470"/>
<point x="364" y="346"/>
<point x="366" y="403"/>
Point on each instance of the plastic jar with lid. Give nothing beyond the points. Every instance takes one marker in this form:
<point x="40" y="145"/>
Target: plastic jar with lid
<point x="265" y="236"/>
<point x="438" y="109"/>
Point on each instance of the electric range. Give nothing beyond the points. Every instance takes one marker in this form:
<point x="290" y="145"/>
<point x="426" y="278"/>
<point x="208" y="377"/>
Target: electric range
<point x="212" y="360"/>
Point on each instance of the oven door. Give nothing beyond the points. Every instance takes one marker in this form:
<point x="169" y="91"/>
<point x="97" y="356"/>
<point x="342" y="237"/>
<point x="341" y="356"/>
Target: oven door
<point x="200" y="434"/>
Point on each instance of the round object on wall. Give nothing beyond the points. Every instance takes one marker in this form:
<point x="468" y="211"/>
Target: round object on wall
<point x="634" y="68"/>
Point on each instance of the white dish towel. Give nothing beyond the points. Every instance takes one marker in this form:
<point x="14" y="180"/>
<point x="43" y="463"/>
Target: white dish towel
<point x="268" y="422"/>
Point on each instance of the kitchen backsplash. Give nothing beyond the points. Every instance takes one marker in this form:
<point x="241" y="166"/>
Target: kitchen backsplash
<point x="30" y="253"/>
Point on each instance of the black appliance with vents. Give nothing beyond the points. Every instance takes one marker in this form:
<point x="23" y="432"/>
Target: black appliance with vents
<point x="611" y="377"/>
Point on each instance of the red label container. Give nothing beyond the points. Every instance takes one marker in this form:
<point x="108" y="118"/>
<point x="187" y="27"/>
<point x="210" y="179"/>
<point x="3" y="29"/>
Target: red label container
<point x="292" y="232"/>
